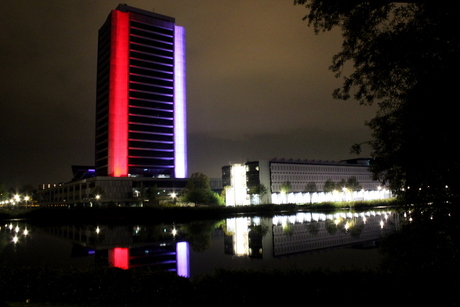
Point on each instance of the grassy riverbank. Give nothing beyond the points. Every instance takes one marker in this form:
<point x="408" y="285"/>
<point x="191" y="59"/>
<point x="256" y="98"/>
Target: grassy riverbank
<point x="174" y="213"/>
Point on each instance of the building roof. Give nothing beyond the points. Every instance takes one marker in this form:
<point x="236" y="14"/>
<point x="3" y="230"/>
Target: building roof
<point x="126" y="8"/>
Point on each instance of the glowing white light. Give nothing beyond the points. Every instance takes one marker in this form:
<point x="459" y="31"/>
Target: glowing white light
<point x="240" y="237"/>
<point x="238" y="182"/>
<point x="229" y="196"/>
<point x="182" y="259"/>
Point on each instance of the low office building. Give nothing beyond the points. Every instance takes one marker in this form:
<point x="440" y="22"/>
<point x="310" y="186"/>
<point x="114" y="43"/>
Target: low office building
<point x="87" y="190"/>
<point x="298" y="181"/>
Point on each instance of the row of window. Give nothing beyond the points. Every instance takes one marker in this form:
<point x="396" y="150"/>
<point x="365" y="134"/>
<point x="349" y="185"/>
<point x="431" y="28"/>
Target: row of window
<point x="305" y="178"/>
<point x="300" y="187"/>
<point x="316" y="168"/>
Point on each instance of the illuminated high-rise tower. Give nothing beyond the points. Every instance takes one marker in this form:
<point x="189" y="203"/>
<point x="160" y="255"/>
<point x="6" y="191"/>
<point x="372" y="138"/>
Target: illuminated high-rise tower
<point x="141" y="99"/>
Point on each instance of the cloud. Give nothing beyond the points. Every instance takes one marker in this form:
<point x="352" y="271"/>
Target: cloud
<point x="208" y="154"/>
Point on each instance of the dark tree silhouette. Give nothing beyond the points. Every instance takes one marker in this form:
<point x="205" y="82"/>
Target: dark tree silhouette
<point x="198" y="190"/>
<point x="404" y="57"/>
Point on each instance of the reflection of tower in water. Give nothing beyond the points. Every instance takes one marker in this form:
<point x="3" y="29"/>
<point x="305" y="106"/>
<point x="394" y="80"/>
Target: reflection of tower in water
<point x="169" y="256"/>
<point x="129" y="247"/>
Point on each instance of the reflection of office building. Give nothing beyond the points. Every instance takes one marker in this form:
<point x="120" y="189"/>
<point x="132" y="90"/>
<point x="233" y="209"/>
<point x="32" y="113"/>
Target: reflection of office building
<point x="250" y="237"/>
<point x="140" y="111"/>
<point x="308" y="232"/>
<point x="244" y="180"/>
<point x="304" y="232"/>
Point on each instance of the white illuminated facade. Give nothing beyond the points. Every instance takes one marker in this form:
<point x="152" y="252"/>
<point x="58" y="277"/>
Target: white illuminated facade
<point x="242" y="179"/>
<point x="236" y="193"/>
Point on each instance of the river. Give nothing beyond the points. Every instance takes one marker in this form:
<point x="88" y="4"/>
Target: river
<point x="305" y="240"/>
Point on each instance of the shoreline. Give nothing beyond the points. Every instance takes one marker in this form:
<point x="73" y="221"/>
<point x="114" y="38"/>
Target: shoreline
<point x="174" y="213"/>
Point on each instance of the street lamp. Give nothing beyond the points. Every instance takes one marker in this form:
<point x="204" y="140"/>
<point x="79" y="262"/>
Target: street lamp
<point x="16" y="199"/>
<point x="26" y="198"/>
<point x="345" y="190"/>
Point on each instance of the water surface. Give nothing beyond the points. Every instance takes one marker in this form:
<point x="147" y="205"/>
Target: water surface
<point x="304" y="240"/>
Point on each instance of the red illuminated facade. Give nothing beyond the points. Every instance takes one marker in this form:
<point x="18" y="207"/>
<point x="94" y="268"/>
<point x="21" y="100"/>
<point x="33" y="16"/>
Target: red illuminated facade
<point x="140" y="110"/>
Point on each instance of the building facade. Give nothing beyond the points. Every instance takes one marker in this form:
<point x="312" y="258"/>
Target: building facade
<point x="286" y="181"/>
<point x="141" y="96"/>
<point x="111" y="191"/>
<point x="141" y="144"/>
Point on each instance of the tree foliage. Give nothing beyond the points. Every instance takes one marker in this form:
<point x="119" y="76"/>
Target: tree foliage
<point x="198" y="191"/>
<point x="405" y="58"/>
<point x="286" y="187"/>
<point x="353" y="184"/>
<point x="259" y="189"/>
<point x="329" y="186"/>
<point x="4" y="195"/>
<point x="311" y="188"/>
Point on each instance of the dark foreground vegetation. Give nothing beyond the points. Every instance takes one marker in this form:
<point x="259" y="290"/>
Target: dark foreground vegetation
<point x="116" y="287"/>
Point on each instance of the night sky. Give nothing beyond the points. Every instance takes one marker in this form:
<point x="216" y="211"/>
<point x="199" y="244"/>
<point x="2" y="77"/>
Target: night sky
<point x="258" y="86"/>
